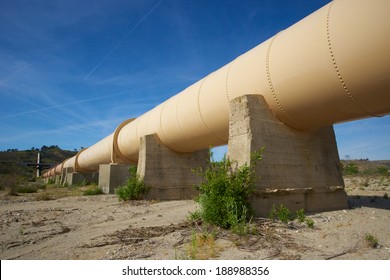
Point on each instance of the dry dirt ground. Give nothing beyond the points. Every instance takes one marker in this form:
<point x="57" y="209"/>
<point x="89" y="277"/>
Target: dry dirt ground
<point x="33" y="226"/>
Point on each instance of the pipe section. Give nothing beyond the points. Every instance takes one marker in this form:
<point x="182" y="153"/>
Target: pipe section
<point x="330" y="67"/>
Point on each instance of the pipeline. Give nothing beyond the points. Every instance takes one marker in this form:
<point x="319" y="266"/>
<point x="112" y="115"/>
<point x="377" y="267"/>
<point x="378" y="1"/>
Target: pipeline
<point x="332" y="66"/>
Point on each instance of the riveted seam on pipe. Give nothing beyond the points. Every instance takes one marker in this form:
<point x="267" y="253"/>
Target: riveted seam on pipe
<point x="200" y="112"/>
<point x="227" y="81"/>
<point x="115" y="152"/>
<point x="268" y="71"/>
<point x="336" y="68"/>
<point x="177" y="118"/>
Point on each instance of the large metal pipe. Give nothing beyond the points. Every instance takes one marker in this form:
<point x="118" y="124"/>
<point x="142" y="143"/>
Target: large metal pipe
<point x="332" y="66"/>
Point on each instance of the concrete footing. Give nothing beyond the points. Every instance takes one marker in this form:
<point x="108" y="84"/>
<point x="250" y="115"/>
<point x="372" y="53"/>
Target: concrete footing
<point x="169" y="174"/>
<point x="70" y="177"/>
<point x="300" y="169"/>
<point x="112" y="176"/>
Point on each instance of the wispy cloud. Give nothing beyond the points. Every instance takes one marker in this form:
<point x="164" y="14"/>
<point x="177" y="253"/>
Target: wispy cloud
<point x="122" y="40"/>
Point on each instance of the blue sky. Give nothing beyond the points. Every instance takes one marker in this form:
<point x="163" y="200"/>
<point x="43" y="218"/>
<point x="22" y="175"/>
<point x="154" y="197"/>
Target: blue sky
<point x="71" y="71"/>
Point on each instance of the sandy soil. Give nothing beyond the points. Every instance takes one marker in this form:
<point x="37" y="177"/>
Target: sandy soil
<point x="101" y="227"/>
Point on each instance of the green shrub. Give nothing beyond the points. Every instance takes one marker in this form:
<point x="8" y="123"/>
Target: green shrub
<point x="350" y="169"/>
<point x="225" y="190"/>
<point x="26" y="189"/>
<point x="282" y="213"/>
<point x="300" y="214"/>
<point x="371" y="240"/>
<point x="9" y="181"/>
<point x="134" y="189"/>
<point x="93" y="190"/>
<point x="50" y="181"/>
<point x="310" y="223"/>
<point x="383" y="171"/>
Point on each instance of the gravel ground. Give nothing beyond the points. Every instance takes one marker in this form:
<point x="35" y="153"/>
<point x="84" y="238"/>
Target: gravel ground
<point x="101" y="227"/>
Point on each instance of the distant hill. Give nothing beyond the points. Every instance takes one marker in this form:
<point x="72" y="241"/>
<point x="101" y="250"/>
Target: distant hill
<point x="15" y="162"/>
<point x="366" y="167"/>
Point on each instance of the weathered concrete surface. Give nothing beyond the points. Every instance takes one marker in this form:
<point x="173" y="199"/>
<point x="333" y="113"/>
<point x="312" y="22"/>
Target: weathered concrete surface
<point x="64" y="174"/>
<point x="112" y="176"/>
<point x="168" y="174"/>
<point x="300" y="169"/>
<point x="75" y="178"/>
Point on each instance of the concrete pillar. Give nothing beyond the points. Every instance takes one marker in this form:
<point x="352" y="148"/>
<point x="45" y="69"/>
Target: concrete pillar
<point x="74" y="178"/>
<point x="70" y="177"/>
<point x="169" y="174"/>
<point x="57" y="179"/>
<point x="300" y="169"/>
<point x="112" y="176"/>
<point x="64" y="174"/>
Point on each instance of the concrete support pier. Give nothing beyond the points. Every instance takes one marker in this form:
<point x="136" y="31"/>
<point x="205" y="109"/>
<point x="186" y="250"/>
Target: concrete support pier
<point x="300" y="169"/>
<point x="74" y="178"/>
<point x="112" y="176"/>
<point x="169" y="174"/>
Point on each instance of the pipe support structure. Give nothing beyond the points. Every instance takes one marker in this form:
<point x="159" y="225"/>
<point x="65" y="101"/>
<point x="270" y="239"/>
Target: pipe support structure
<point x="330" y="67"/>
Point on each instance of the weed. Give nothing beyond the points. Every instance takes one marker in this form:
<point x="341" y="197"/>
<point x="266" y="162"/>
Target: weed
<point x="134" y="189"/>
<point x="386" y="196"/>
<point x="310" y="223"/>
<point x="225" y="190"/>
<point x="26" y="189"/>
<point x="350" y="169"/>
<point x="300" y="214"/>
<point x="202" y="246"/>
<point x="93" y="190"/>
<point x="194" y="216"/>
<point x="283" y="214"/>
<point x="382" y="171"/>
<point x="371" y="240"/>
<point x="51" y="181"/>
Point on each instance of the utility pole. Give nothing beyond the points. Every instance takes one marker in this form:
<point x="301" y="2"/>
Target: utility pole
<point x="39" y="166"/>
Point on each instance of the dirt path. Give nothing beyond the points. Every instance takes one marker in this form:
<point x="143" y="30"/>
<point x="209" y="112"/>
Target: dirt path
<point x="101" y="227"/>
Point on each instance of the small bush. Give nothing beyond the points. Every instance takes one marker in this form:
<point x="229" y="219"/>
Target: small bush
<point x="300" y="214"/>
<point x="383" y="171"/>
<point x="51" y="181"/>
<point x="350" y="169"/>
<point x="224" y="192"/>
<point x="9" y="181"/>
<point x="93" y="190"/>
<point x="283" y="214"/>
<point x="310" y="223"/>
<point x="371" y="240"/>
<point x="26" y="189"/>
<point x="134" y="189"/>
<point x="386" y="196"/>
<point x="202" y="246"/>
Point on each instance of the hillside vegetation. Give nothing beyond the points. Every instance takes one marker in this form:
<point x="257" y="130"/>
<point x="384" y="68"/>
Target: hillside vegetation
<point x="13" y="163"/>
